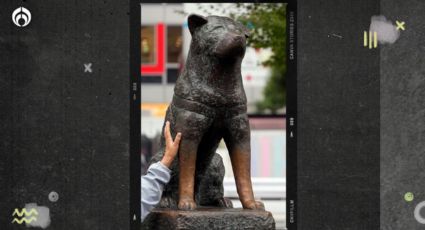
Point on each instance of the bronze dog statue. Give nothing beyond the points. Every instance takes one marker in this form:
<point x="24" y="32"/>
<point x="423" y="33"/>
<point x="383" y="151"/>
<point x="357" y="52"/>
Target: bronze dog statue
<point x="209" y="104"/>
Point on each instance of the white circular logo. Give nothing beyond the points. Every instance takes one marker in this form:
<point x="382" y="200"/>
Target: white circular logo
<point x="417" y="213"/>
<point x="21" y="17"/>
<point x="53" y="196"/>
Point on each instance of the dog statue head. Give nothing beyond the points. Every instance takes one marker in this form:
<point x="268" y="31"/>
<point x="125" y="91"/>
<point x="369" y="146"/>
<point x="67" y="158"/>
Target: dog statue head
<point x="219" y="36"/>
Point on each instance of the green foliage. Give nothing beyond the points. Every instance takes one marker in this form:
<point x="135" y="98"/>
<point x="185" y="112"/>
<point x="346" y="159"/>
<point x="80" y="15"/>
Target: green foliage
<point x="274" y="92"/>
<point x="268" y="22"/>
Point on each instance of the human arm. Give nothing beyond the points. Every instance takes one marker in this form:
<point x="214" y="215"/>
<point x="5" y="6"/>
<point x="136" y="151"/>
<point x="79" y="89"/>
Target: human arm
<point x="153" y="183"/>
<point x="158" y="174"/>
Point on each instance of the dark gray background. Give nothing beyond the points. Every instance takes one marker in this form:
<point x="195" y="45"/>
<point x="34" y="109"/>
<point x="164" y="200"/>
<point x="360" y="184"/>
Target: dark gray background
<point x="62" y="129"/>
<point x="358" y="108"/>
<point x="67" y="131"/>
<point x="403" y="116"/>
<point x="338" y="117"/>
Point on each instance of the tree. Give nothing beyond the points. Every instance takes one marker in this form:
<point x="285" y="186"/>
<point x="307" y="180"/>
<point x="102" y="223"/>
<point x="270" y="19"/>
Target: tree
<point x="268" y="24"/>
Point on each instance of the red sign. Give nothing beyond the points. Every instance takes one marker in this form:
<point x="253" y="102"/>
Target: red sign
<point x="158" y="67"/>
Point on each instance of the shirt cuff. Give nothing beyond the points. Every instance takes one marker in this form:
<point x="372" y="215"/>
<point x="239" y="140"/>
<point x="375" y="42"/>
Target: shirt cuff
<point x="161" y="165"/>
<point x="160" y="172"/>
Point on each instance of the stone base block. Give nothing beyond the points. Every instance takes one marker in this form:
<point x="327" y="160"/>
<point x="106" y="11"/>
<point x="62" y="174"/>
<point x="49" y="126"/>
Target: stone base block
<point x="209" y="218"/>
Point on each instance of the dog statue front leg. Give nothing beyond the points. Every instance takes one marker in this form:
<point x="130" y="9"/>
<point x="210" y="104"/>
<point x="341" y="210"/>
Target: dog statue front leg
<point x="192" y="126"/>
<point x="187" y="167"/>
<point x="237" y="139"/>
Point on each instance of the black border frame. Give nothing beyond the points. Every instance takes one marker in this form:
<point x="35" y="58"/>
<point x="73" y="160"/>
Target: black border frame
<point x="135" y="113"/>
<point x="291" y="116"/>
<point x="291" y="107"/>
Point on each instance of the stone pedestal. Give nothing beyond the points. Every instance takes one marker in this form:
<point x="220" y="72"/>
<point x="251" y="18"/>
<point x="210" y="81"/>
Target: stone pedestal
<point x="209" y="218"/>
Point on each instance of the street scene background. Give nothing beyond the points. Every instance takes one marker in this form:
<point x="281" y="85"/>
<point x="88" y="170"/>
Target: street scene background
<point x="165" y="41"/>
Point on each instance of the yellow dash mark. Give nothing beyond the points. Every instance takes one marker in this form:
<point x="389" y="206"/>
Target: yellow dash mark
<point x="375" y="39"/>
<point x="365" y="38"/>
<point x="370" y="39"/>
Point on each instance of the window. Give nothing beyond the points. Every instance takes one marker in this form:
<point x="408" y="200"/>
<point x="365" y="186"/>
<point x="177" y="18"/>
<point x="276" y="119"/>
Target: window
<point x="148" y="44"/>
<point x="174" y="44"/>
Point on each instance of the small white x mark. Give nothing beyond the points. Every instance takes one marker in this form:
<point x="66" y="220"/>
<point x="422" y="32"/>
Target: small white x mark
<point x="400" y="25"/>
<point x="87" y="68"/>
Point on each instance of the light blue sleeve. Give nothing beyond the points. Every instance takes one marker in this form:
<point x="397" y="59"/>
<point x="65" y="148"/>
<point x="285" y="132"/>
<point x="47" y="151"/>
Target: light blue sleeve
<point x="153" y="183"/>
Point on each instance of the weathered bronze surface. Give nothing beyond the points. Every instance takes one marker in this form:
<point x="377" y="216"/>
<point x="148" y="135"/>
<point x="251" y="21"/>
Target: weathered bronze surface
<point x="209" y="104"/>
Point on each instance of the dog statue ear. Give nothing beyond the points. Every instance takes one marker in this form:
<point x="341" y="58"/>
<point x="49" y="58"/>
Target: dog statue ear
<point x="195" y="21"/>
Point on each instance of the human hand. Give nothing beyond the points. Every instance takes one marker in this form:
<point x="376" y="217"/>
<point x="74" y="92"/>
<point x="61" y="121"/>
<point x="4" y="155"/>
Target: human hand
<point x="171" y="147"/>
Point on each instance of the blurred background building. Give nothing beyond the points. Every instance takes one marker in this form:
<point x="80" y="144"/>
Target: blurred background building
<point x="165" y="41"/>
